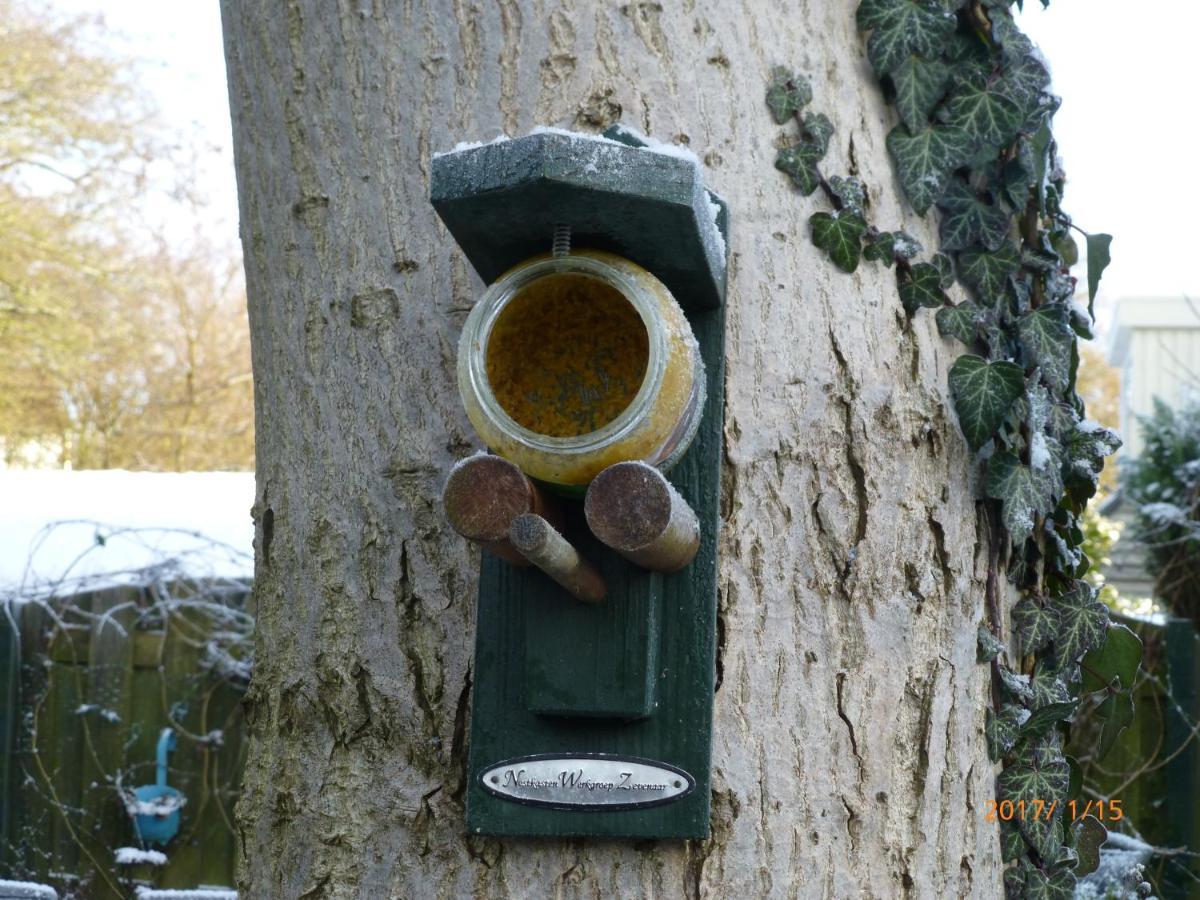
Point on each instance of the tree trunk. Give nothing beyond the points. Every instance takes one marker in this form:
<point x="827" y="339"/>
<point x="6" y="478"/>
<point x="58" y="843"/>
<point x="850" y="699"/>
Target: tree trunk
<point x="849" y="756"/>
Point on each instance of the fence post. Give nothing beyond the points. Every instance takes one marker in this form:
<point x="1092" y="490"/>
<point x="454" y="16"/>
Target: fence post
<point x="1183" y="673"/>
<point x="10" y="672"/>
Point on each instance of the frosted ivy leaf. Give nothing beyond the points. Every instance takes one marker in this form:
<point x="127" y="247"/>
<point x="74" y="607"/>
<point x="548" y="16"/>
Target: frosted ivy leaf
<point x="1048" y="687"/>
<point x="983" y="394"/>
<point x="850" y="191"/>
<point x="987" y="272"/>
<point x="1081" y="623"/>
<point x="787" y="93"/>
<point x="840" y="235"/>
<point x="1031" y="779"/>
<point x="985" y="109"/>
<point x="921" y="286"/>
<point x="961" y="321"/>
<point x="988" y="646"/>
<point x="1001" y="729"/>
<point x="920" y="83"/>
<point x="799" y="161"/>
<point x="1024" y="494"/>
<point x="900" y="28"/>
<point x="1047" y="341"/>
<point x="925" y="159"/>
<point x="967" y="219"/>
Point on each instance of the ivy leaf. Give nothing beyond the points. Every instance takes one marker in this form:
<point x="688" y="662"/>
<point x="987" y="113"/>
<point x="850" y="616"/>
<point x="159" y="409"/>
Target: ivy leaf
<point x="1018" y="176"/>
<point x="880" y="248"/>
<point x="1117" y="713"/>
<point x="961" y="321"/>
<point x="925" y="159"/>
<point x="905" y="246"/>
<point x="1087" y="445"/>
<point x="1081" y="322"/>
<point x="1056" y="884"/>
<point x="1023" y="81"/>
<point x="1016" y="685"/>
<point x="1005" y="32"/>
<point x="1035" y="625"/>
<point x="1024" y="494"/>
<point x="1098" y="258"/>
<point x="1012" y="845"/>
<point x="850" y="191"/>
<point x="920" y="84"/>
<point x="819" y="129"/>
<point x="989" y="647"/>
<point x="983" y="394"/>
<point x="1090" y="836"/>
<point x="945" y="266"/>
<point x="800" y="162"/>
<point x="1046" y="340"/>
<point x="840" y="235"/>
<point x="1046" y="716"/>
<point x="985" y="110"/>
<point x="900" y="28"/>
<point x="987" y="272"/>
<point x="969" y="220"/>
<point x="1002" y="729"/>
<point x="786" y="94"/>
<point x="921" y="286"/>
<point x="1082" y="622"/>
<point x="1042" y="150"/>
<point x="1048" y="687"/>
<point x="1118" y="657"/>
<point x="1031" y="779"/>
<point x="1043" y="748"/>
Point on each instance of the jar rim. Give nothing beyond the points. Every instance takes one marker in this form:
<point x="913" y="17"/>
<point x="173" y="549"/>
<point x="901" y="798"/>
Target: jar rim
<point x="497" y="297"/>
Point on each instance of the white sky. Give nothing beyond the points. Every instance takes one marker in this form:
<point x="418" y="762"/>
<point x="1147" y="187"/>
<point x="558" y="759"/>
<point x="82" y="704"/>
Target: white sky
<point x="1128" y="130"/>
<point x="52" y="521"/>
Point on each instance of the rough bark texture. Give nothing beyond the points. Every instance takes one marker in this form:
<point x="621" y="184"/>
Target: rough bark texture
<point x="849" y="756"/>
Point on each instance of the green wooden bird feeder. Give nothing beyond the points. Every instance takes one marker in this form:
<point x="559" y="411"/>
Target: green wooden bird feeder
<point x="593" y="718"/>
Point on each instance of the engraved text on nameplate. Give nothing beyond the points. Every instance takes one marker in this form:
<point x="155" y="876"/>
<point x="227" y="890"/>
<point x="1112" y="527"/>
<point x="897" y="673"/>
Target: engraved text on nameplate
<point x="586" y="781"/>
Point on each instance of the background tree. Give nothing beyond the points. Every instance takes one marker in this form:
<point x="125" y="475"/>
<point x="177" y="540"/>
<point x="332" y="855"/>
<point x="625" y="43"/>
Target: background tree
<point x="1164" y="485"/>
<point x="115" y="349"/>
<point x="848" y="751"/>
<point x="1099" y="385"/>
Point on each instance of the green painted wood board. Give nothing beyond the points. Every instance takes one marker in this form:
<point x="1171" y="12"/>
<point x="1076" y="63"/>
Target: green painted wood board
<point x="634" y="678"/>
<point x="1182" y="646"/>
<point x="501" y="202"/>
<point x="592" y="660"/>
<point x="679" y="730"/>
<point x="10" y="676"/>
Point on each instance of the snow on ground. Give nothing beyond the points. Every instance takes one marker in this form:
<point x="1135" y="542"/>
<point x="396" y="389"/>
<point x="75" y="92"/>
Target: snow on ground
<point x="26" y="890"/>
<point x="58" y="528"/>
<point x="133" y="856"/>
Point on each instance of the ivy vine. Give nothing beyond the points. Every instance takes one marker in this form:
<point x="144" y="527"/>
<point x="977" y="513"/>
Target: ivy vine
<point x="974" y="142"/>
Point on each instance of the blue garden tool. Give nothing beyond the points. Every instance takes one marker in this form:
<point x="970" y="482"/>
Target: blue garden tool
<point x="157" y="816"/>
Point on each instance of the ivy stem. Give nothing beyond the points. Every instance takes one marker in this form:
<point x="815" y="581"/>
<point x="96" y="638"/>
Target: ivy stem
<point x="992" y="594"/>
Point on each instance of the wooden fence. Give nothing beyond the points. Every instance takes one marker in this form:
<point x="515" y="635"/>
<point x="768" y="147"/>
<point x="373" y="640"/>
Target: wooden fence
<point x="86" y="686"/>
<point x="1154" y="769"/>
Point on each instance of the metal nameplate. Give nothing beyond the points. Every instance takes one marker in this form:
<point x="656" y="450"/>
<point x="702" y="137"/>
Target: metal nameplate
<point x="586" y="781"/>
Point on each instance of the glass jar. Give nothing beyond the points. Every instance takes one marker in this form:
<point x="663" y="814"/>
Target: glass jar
<point x="569" y="364"/>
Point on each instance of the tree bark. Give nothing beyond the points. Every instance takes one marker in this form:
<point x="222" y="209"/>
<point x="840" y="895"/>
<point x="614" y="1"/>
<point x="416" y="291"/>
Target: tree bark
<point x="849" y="756"/>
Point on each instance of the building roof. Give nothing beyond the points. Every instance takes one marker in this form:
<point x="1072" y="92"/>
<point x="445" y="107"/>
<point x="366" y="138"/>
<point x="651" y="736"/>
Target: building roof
<point x="1133" y="313"/>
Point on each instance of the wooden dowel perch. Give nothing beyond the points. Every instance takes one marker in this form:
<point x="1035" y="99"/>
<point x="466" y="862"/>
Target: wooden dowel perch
<point x="551" y="552"/>
<point x="483" y="495"/>
<point x="633" y="509"/>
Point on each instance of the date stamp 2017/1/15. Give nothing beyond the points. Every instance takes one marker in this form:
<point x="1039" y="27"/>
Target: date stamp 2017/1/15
<point x="1020" y="810"/>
